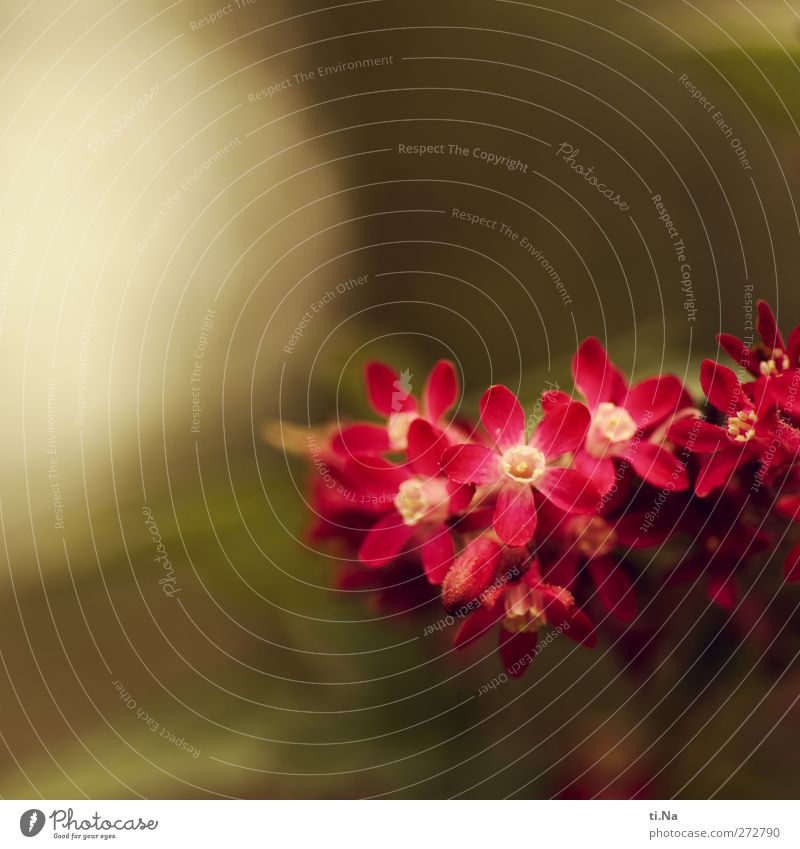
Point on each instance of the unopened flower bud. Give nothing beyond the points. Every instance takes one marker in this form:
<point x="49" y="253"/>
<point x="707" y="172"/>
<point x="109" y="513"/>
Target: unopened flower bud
<point x="471" y="573"/>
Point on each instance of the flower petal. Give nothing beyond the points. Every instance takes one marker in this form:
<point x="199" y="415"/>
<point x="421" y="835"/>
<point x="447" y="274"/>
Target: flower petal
<point x="722" y="388"/>
<point x="384" y="541"/>
<point x="517" y="650"/>
<point x="596" y="376"/>
<point x="375" y="475"/>
<point x="580" y="628"/>
<point x="570" y="490"/>
<point x="652" y="400"/>
<point x="643" y="529"/>
<point x="477" y="519"/>
<point x="437" y="554"/>
<point x="469" y="463"/>
<point x="562" y="430"/>
<point x="794" y="346"/>
<point x="475" y="626"/>
<point x="386" y="392"/>
<point x="426" y="445"/>
<point x="717" y="470"/>
<point x="441" y="390"/>
<point x="461" y="495"/>
<point x="614" y="588"/>
<point x="767" y="327"/>
<point x="600" y="470"/>
<point x="553" y="398"/>
<point x="359" y="439"/>
<point x="515" y="515"/>
<point x="739" y="352"/>
<point x="502" y="416"/>
<point x="781" y="390"/>
<point x="697" y="435"/>
<point x="658" y="467"/>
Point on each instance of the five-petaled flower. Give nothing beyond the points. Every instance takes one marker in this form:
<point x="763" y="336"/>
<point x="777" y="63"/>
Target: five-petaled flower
<point x="751" y="430"/>
<point x="523" y="609"/>
<point x="389" y="395"/>
<point x="773" y="362"/>
<point x="420" y="503"/>
<point x="513" y="467"/>
<point x="624" y="420"/>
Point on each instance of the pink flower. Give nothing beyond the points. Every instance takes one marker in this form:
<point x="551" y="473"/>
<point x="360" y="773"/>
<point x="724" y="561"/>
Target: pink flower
<point x="772" y="356"/>
<point x="750" y="429"/>
<point x="419" y="503"/>
<point x="339" y="511"/>
<point x="522" y="609"/>
<point x="389" y="395"/>
<point x="513" y="467"/>
<point x="623" y="420"/>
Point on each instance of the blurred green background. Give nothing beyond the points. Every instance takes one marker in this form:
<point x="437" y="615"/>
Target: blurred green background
<point x="286" y="685"/>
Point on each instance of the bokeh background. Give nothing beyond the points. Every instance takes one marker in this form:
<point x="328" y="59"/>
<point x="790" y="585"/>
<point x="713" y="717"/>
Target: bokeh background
<point x="180" y="184"/>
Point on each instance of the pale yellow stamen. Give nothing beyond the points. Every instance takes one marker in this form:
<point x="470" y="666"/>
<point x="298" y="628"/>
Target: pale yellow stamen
<point x="523" y="463"/>
<point x="422" y="500"/>
<point x="610" y="425"/>
<point x="398" y="426"/>
<point x="411" y="502"/>
<point x="741" y="427"/>
<point x="524" y="608"/>
<point x="777" y="363"/>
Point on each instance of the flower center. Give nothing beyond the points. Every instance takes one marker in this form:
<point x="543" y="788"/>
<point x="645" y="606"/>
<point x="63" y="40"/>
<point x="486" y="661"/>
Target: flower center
<point x="524" y="608"/>
<point x="615" y="423"/>
<point x="610" y="425"/>
<point x="524" y="463"/>
<point x="398" y="426"/>
<point x="741" y="427"/>
<point x="774" y="362"/>
<point x="592" y="535"/>
<point x="778" y="363"/>
<point x="421" y="500"/>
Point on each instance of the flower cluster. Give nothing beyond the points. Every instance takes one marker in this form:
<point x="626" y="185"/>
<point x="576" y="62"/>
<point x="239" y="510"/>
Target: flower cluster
<point x="518" y="528"/>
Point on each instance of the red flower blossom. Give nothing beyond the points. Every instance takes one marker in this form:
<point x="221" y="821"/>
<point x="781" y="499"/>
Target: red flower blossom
<point x="339" y="511"/>
<point x="750" y="429"/>
<point x="418" y="501"/>
<point x="623" y="420"/>
<point x="769" y="357"/>
<point x="522" y="609"/>
<point x="513" y="467"/>
<point x="389" y="395"/>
